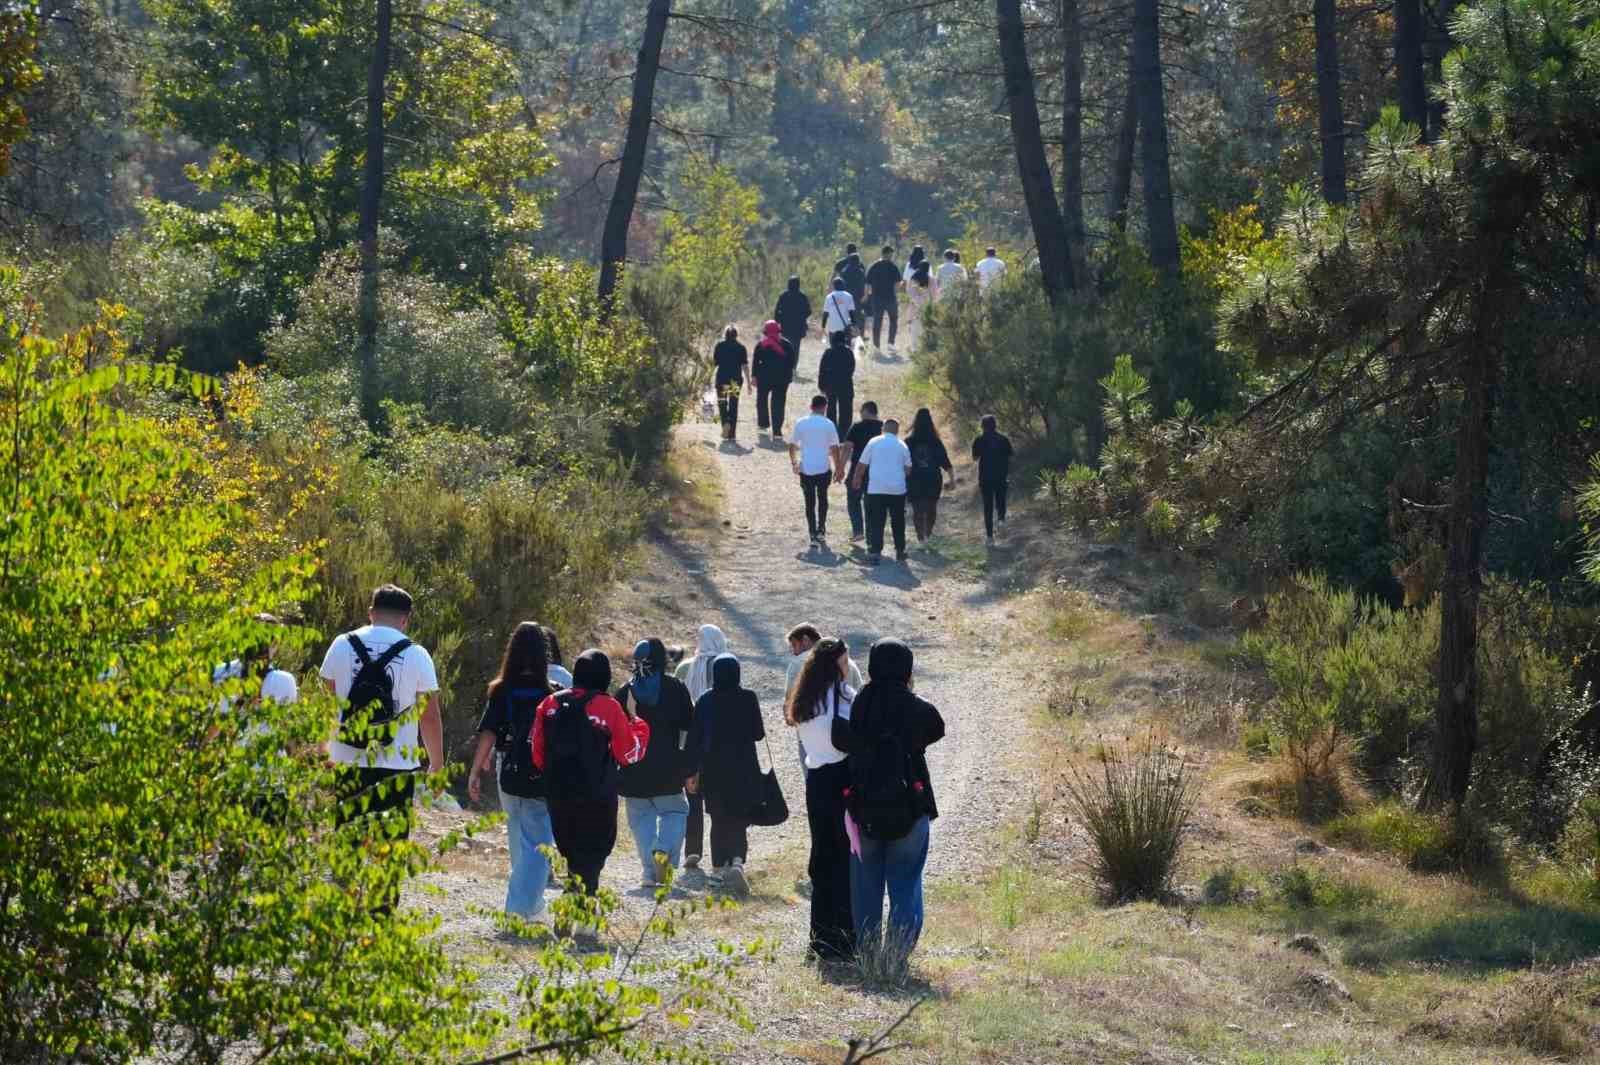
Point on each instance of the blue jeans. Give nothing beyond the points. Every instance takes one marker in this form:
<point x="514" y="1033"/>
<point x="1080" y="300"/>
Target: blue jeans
<point x="527" y="829"/>
<point x="658" y="824"/>
<point x="895" y="865"/>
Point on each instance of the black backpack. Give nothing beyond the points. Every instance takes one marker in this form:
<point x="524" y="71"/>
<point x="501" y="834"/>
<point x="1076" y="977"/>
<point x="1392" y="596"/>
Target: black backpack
<point x="884" y="795"/>
<point x="854" y="276"/>
<point x="370" y="709"/>
<point x="518" y="775"/>
<point x="577" y="756"/>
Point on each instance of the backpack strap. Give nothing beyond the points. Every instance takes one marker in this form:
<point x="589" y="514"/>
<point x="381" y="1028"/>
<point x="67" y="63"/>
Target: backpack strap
<point x="359" y="648"/>
<point x="394" y="651"/>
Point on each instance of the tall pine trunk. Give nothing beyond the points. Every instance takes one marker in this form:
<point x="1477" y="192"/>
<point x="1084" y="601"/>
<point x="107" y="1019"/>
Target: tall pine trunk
<point x="1408" y="31"/>
<point x="1122" y="162"/>
<point x="614" y="238"/>
<point x="1330" y="101"/>
<point x="371" y="207"/>
<point x="1049" y="229"/>
<point x="1072" y="138"/>
<point x="1156" y="166"/>
<point x="1436" y="47"/>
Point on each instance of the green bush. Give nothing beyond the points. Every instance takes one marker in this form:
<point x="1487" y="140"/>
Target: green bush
<point x="1428" y="843"/>
<point x="1135" y="806"/>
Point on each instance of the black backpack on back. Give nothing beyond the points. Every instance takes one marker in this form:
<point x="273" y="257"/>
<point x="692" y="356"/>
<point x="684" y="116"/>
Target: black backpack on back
<point x="883" y="797"/>
<point x="518" y="775"/>
<point x="577" y="756"/>
<point x="370" y="709"/>
<point x="854" y="276"/>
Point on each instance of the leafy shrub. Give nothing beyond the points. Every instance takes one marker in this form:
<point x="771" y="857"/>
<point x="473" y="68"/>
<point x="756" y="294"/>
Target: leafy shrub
<point x="1135" y="806"/>
<point x="1427" y="843"/>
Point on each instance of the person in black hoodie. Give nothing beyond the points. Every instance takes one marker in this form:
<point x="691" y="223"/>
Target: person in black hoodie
<point x="883" y="278"/>
<point x="793" y="315"/>
<point x="730" y="360"/>
<point x="854" y="276"/>
<point x="886" y="738"/>
<point x="836" y="379"/>
<point x="992" y="451"/>
<point x="772" y="366"/>
<point x="727" y="726"/>
<point x="652" y="788"/>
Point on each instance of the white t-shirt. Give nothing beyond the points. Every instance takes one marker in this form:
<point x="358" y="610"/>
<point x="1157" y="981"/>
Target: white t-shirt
<point x="814" y="435"/>
<point x="414" y="678"/>
<point x="277" y="686"/>
<point x="816" y="735"/>
<point x="950" y="274"/>
<point x="989" y="271"/>
<point x="838" y="306"/>
<point x="887" y="459"/>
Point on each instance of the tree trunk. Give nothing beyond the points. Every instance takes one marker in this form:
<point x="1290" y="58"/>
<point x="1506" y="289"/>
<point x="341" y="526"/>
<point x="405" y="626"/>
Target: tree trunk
<point x="1122" y="164"/>
<point x="1330" y="102"/>
<point x="1155" y="165"/>
<point x="1072" y="138"/>
<point x="1049" y="229"/>
<point x="371" y="205"/>
<point x="581" y="40"/>
<point x="1438" y="46"/>
<point x="614" y="238"/>
<point x="1408" y="29"/>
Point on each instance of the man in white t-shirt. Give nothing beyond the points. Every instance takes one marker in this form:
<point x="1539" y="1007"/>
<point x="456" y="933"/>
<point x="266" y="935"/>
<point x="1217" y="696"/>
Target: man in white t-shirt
<point x="882" y="467"/>
<point x="838" y="309"/>
<point x="949" y="274"/>
<point x="814" y="454"/>
<point x="989" y="270"/>
<point x="411" y="681"/>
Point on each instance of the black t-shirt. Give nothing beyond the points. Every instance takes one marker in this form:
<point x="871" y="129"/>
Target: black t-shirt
<point x="992" y="451"/>
<point x="884" y="277"/>
<point x="854" y="276"/>
<point x="792" y="313"/>
<point x="928" y="458"/>
<point x="509" y="714"/>
<point x="837" y="368"/>
<point x="731" y="359"/>
<point x="860" y="434"/>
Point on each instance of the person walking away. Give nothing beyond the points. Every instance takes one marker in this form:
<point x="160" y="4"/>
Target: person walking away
<point x="802" y="638"/>
<point x="652" y="788"/>
<point x="727" y="727"/>
<point x="838" y="311"/>
<point x="918" y="256"/>
<point x="506" y="727"/>
<point x="951" y="273"/>
<point x="560" y="676"/>
<point x="883" y="282"/>
<point x="890" y="801"/>
<point x="924" y="484"/>
<point x="730" y="360"/>
<point x="881" y="473"/>
<point x="990" y="268"/>
<point x="581" y="738"/>
<point x="793" y="315"/>
<point x="836" y="380"/>
<point x="992" y="452"/>
<point x="822" y="695"/>
<point x="919" y="292"/>
<point x="254" y="669"/>
<point x="849" y="250"/>
<point x="772" y="365"/>
<point x="814" y="456"/>
<point x="854" y="276"/>
<point x="389" y="710"/>
<point x="695" y="673"/>
<point x="861" y="433"/>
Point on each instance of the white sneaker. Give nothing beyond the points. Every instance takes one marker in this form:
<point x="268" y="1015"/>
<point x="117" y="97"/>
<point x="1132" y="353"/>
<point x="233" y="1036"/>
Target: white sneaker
<point x="891" y="351"/>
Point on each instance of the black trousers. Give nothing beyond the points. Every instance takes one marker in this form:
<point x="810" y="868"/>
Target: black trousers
<point x="771" y="398"/>
<point x="730" y="839"/>
<point x="814" y="486"/>
<point x="841" y="402"/>
<point x="365" y="791"/>
<point x="994" y="502"/>
<point x="890" y="508"/>
<point x="694" y="835"/>
<point x="879" y="309"/>
<point x="586" y="832"/>
<point x="832" y="926"/>
<point x="728" y="404"/>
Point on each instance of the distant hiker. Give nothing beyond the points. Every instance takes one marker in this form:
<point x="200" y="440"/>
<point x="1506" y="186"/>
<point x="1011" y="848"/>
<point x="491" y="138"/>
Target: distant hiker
<point x="849" y="250"/>
<point x="730" y="360"/>
<point x="380" y="677"/>
<point x="506" y="726"/>
<point x="890" y="801"/>
<point x="861" y="433"/>
<point x="838" y="310"/>
<point x="793" y="315"/>
<point x="836" y="379"/>
<point x="950" y="274"/>
<point x="560" y="677"/>
<point x="652" y="788"/>
<point x="883" y="280"/>
<point x="772" y="366"/>
<point x="814" y="456"/>
<point x="919" y="291"/>
<point x="268" y="798"/>
<point x="989" y="270"/>
<point x="802" y="638"/>
<point x="821" y="696"/>
<point x="918" y="257"/>
<point x="580" y="739"/>
<point x="992" y="452"/>
<point x="727" y="726"/>
<point x="881" y="473"/>
<point x="854" y="276"/>
<point x="696" y="676"/>
<point x="924" y="485"/>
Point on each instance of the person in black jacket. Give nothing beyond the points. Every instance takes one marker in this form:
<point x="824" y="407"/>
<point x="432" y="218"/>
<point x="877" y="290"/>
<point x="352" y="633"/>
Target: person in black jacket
<point x="886" y="708"/>
<point x="730" y="360"/>
<point x="924" y="483"/>
<point x="793" y="315"/>
<point x="652" y="788"/>
<point x="854" y="276"/>
<point x="883" y="281"/>
<point x="772" y="366"/>
<point x="727" y="726"/>
<point x="836" y="379"/>
<point x="992" y="452"/>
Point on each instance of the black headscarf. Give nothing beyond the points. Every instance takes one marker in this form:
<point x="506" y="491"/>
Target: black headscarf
<point x="649" y="666"/>
<point x="890" y="662"/>
<point x="794" y="283"/>
<point x="725" y="696"/>
<point x="918" y="255"/>
<point x="886" y="689"/>
<point x="592" y="671"/>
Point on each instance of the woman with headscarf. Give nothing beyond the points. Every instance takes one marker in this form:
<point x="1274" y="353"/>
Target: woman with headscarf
<point x="696" y="675"/>
<point x="727" y="726"/>
<point x="930" y="463"/>
<point x="822" y="695"/>
<point x="890" y="801"/>
<point x="581" y="737"/>
<point x="652" y="788"/>
<point x="772" y="366"/>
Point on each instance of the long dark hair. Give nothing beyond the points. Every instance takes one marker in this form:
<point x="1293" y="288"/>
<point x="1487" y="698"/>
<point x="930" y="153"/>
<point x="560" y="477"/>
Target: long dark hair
<point x="817" y="676"/>
<point x="922" y="428"/>
<point x="553" y="645"/>
<point x="527" y="657"/>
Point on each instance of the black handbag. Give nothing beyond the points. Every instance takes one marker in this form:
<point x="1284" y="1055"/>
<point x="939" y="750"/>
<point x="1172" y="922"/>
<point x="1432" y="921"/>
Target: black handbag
<point x="771" y="808"/>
